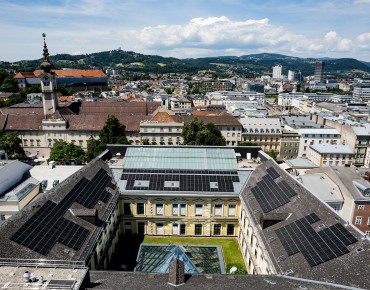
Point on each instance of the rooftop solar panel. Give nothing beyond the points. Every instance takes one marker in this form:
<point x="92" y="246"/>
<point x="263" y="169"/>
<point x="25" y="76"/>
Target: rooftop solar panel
<point x="192" y="180"/>
<point x="316" y="247"/>
<point x="272" y="172"/>
<point x="48" y="226"/>
<point x="270" y="194"/>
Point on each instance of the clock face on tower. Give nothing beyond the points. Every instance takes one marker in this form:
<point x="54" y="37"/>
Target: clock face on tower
<point x="46" y="81"/>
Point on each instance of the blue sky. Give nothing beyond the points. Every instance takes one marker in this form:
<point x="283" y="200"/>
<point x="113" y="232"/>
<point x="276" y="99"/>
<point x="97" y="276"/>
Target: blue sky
<point x="186" y="28"/>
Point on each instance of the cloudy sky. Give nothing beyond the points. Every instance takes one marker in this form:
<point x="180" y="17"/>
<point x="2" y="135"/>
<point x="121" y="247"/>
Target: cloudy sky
<point x="186" y="28"/>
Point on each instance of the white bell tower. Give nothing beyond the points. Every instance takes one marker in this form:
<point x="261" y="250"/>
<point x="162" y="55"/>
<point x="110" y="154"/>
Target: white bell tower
<point x="48" y="84"/>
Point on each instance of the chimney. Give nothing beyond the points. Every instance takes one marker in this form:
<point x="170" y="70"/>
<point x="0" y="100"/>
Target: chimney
<point x="176" y="276"/>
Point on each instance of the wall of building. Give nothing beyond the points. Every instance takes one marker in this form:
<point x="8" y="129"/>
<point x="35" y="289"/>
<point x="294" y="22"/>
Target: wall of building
<point x="251" y="247"/>
<point x="361" y="216"/>
<point x="167" y="211"/>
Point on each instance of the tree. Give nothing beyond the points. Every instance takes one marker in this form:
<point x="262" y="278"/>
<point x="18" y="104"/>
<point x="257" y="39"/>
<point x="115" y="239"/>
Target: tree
<point x="3" y="75"/>
<point x="113" y="132"/>
<point x="65" y="152"/>
<point x="12" y="145"/>
<point x="145" y="141"/>
<point x="10" y="84"/>
<point x="197" y="133"/>
<point x="273" y="154"/>
<point x="168" y="91"/>
<point x="34" y="89"/>
<point x="94" y="148"/>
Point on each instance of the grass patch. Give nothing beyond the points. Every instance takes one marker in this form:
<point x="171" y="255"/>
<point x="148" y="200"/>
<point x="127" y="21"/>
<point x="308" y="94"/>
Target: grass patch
<point x="230" y="248"/>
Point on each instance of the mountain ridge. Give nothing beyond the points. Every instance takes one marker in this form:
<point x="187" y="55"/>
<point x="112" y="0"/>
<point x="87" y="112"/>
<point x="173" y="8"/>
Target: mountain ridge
<point x="253" y="64"/>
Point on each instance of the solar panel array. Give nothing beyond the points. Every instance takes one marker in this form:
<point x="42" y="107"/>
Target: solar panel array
<point x="188" y="180"/>
<point x="316" y="247"/>
<point x="270" y="194"/>
<point x="48" y="226"/>
<point x="272" y="172"/>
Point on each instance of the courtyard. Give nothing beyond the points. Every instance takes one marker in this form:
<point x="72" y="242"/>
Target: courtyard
<point x="128" y="247"/>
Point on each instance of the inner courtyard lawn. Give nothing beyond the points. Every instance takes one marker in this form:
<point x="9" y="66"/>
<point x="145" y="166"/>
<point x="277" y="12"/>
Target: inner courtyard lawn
<point x="230" y="248"/>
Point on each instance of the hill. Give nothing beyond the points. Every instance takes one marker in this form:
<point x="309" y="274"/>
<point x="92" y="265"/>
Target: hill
<point x="254" y="64"/>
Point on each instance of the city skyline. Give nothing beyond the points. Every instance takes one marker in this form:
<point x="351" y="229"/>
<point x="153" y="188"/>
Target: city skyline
<point x="193" y="28"/>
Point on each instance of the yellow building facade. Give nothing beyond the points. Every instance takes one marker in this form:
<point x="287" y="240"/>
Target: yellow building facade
<point x="180" y="190"/>
<point x="187" y="216"/>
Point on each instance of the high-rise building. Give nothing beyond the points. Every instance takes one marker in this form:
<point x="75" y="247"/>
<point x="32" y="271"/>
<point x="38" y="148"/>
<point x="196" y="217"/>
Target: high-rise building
<point x="291" y="75"/>
<point x="276" y="71"/>
<point x="319" y="72"/>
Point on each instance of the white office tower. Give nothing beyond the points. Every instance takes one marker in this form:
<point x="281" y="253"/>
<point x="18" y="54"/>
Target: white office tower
<point x="291" y="76"/>
<point x="276" y="71"/>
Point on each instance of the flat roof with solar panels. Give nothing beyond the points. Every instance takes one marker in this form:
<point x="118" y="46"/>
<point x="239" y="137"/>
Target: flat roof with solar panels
<point x="193" y="170"/>
<point x="303" y="236"/>
<point x="63" y="224"/>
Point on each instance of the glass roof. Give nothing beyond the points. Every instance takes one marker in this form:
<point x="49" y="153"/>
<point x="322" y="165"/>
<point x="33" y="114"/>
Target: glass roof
<point x="180" y="158"/>
<point x="197" y="259"/>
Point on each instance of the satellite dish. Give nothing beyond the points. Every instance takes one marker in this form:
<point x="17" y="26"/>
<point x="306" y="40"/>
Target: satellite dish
<point x="233" y="269"/>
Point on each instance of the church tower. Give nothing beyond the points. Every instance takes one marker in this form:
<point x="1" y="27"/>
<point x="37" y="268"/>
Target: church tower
<point x="48" y="84"/>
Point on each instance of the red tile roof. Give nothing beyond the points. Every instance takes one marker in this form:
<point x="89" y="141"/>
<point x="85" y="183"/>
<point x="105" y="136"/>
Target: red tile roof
<point x="76" y="73"/>
<point x="24" y="75"/>
<point x="96" y="122"/>
<point x="163" y="117"/>
<point x="91" y="117"/>
<point x="21" y="119"/>
<point x="209" y="113"/>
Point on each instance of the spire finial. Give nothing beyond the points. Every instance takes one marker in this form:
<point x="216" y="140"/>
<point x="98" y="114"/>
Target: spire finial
<point x="46" y="64"/>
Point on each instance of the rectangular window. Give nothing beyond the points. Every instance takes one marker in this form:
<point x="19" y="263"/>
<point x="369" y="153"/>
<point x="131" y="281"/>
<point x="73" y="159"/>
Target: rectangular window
<point x="182" y="229"/>
<point x="198" y="229"/>
<point x="179" y="209"/>
<point x="368" y="221"/>
<point x="140" y="209"/>
<point x="358" y="220"/>
<point x="159" y="208"/>
<point x="199" y="209"/>
<point x="218" y="209"/>
<point x="128" y="228"/>
<point x="141" y="228"/>
<point x="232" y="210"/>
<point x="160" y="228"/>
<point x="2" y="217"/>
<point x="217" y="229"/>
<point x="127" y="208"/>
<point x="183" y="209"/>
<point x="230" y="230"/>
<point x="175" y="229"/>
<point x="361" y="207"/>
<point x="175" y="209"/>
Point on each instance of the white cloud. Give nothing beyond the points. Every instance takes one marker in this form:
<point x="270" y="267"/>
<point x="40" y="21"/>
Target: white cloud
<point x="337" y="43"/>
<point x="220" y="35"/>
<point x="213" y="32"/>
<point x="361" y="1"/>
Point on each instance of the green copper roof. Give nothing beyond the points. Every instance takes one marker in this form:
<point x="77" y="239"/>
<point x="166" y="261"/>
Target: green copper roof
<point x="180" y="158"/>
